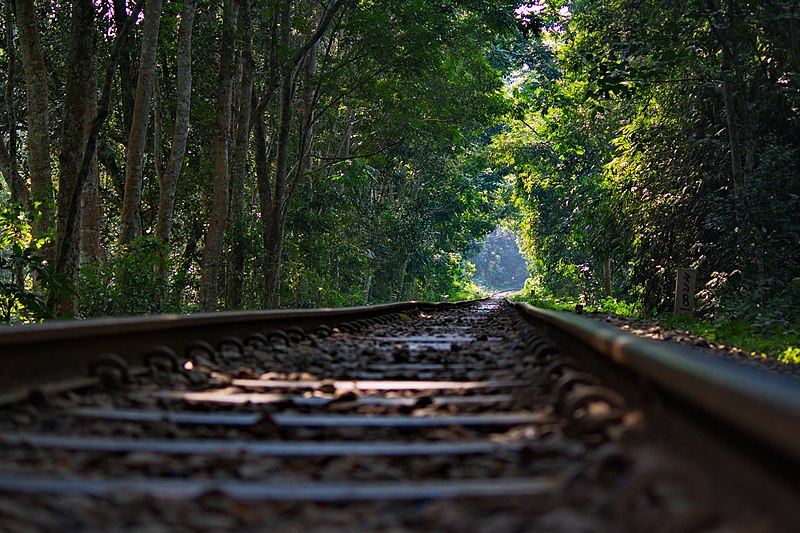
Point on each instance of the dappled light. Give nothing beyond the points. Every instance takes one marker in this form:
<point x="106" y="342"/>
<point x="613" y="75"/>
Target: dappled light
<point x="237" y="156"/>
<point x="500" y="266"/>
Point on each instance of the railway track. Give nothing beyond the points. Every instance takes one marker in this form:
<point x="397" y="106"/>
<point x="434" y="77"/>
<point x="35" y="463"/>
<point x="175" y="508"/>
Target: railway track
<point x="480" y="416"/>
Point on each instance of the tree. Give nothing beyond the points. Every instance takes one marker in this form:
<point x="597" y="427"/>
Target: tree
<point x="281" y="188"/>
<point x="325" y="111"/>
<point x="168" y="182"/>
<point x="240" y="150"/>
<point x="218" y="210"/>
<point x="130" y="225"/>
<point x="678" y="114"/>
<point x="36" y="91"/>
<point x="79" y="104"/>
<point x="65" y="246"/>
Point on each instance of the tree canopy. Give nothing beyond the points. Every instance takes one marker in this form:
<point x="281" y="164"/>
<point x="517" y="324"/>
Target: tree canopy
<point x="652" y="135"/>
<point x="229" y="154"/>
<point x="187" y="155"/>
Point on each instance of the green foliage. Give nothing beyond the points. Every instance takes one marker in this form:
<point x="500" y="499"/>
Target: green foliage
<point x="607" y="305"/>
<point x="24" y="276"/>
<point x="626" y="120"/>
<point x="499" y="265"/>
<point x="450" y="279"/>
<point x="779" y="341"/>
<point x="544" y="301"/>
<point x="614" y="306"/>
<point x="136" y="280"/>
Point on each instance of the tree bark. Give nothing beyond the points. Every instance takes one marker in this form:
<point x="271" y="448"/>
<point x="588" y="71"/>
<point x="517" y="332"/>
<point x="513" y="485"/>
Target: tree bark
<point x="723" y="30"/>
<point x="264" y="158"/>
<point x="38" y="122"/>
<point x="274" y="239"/>
<point x="607" y="277"/>
<point x="17" y="187"/>
<point x="180" y="132"/>
<point x="240" y="148"/>
<point x="75" y="130"/>
<point x="130" y="224"/>
<point x="126" y="72"/>
<point x="740" y="129"/>
<point x="218" y="213"/>
<point x="281" y="189"/>
<point x="65" y="246"/>
<point x="91" y="250"/>
<point x="307" y="124"/>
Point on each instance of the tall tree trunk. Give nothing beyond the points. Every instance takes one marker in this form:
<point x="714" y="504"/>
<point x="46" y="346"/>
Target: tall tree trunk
<point x="90" y="251"/>
<point x="126" y="71"/>
<point x="740" y="129"/>
<point x="38" y="123"/>
<point x="607" y="277"/>
<point x="17" y="187"/>
<point x="130" y="223"/>
<point x="240" y="148"/>
<point x="218" y="212"/>
<point x="281" y="189"/>
<point x="307" y="124"/>
<point x="64" y="247"/>
<point x="264" y="157"/>
<point x="723" y="30"/>
<point x="75" y="130"/>
<point x="274" y="240"/>
<point x="180" y="132"/>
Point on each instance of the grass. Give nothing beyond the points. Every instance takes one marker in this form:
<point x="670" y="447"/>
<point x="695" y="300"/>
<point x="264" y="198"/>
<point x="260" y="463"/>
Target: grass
<point x="780" y="342"/>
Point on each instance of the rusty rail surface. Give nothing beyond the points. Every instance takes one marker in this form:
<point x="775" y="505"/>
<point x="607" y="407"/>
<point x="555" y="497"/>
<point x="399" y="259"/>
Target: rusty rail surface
<point x="61" y="355"/>
<point x="744" y="422"/>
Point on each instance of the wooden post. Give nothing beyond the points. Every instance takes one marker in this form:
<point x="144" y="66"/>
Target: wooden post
<point x="684" y="291"/>
<point x="607" y="276"/>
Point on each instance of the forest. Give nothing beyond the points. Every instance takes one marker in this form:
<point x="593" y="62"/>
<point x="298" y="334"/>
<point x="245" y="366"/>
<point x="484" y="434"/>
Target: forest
<point x="204" y="155"/>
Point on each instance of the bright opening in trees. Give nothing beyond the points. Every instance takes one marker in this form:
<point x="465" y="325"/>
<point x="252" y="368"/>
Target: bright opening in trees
<point x="500" y="266"/>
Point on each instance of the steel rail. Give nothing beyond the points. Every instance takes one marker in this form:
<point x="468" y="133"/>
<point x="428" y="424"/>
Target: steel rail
<point x="761" y="404"/>
<point x="742" y="422"/>
<point x="58" y="355"/>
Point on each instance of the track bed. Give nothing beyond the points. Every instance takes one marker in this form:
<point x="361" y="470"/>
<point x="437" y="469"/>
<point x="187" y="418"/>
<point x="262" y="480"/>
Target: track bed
<point x="464" y="419"/>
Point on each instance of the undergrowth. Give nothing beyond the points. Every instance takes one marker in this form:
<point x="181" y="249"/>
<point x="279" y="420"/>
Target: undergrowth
<point x="779" y="341"/>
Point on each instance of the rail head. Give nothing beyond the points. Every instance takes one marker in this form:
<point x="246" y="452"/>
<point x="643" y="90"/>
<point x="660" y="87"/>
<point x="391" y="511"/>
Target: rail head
<point x="60" y="354"/>
<point x="763" y="405"/>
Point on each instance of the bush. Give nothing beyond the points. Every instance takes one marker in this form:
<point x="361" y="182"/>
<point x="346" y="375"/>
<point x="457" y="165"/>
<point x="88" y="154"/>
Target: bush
<point x="24" y="275"/>
<point x="134" y="281"/>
